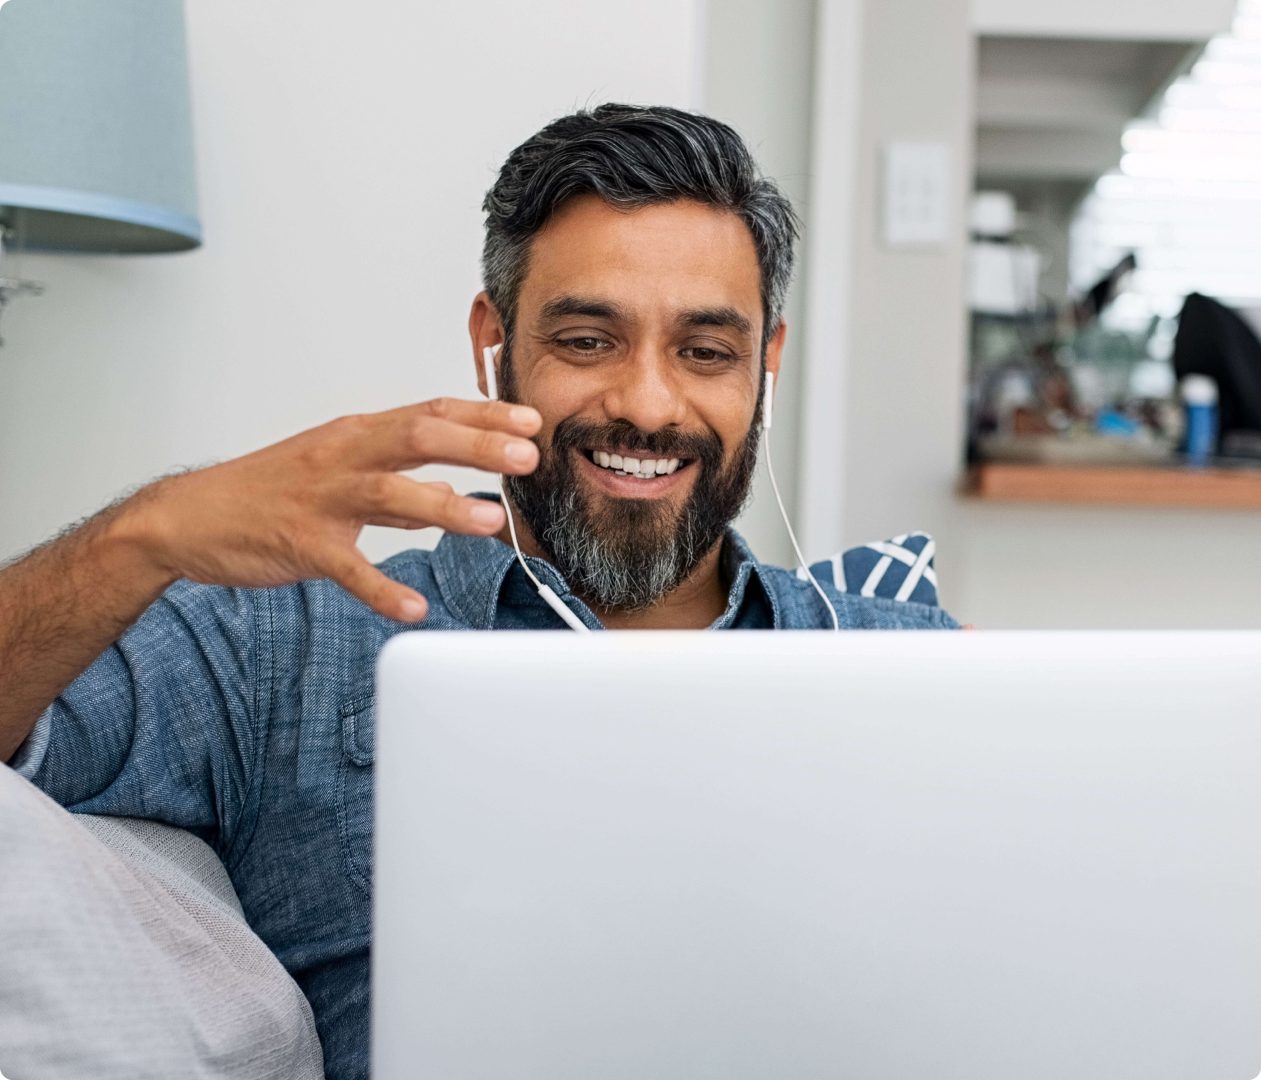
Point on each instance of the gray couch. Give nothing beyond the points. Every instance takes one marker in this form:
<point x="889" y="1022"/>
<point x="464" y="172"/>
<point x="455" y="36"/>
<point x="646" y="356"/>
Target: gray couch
<point x="124" y="954"/>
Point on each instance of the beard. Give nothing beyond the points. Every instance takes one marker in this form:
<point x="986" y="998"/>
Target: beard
<point x="625" y="554"/>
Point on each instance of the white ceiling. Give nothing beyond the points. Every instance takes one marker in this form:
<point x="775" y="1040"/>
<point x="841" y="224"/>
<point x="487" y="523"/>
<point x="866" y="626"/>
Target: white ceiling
<point x="1112" y="20"/>
<point x="1055" y="108"/>
<point x="1057" y="84"/>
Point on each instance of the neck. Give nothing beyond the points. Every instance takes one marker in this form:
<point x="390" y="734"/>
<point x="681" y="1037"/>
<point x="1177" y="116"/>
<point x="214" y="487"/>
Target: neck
<point x="694" y="605"/>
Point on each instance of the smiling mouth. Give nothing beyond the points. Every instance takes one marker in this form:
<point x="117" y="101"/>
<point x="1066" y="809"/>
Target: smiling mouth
<point x="635" y="466"/>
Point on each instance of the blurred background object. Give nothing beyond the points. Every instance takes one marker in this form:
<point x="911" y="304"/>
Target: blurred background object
<point x="1004" y="274"/>
<point x="1218" y="347"/>
<point x="1164" y="207"/>
<point x="96" y="146"/>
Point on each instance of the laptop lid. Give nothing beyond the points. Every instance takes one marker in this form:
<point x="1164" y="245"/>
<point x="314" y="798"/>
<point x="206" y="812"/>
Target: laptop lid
<point x="877" y="856"/>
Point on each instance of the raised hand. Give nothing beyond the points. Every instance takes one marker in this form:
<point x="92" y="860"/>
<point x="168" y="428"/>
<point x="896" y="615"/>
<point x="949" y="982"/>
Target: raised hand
<point x="294" y="510"/>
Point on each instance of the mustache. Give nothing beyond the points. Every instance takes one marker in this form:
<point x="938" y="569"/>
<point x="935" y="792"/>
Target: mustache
<point x="574" y="434"/>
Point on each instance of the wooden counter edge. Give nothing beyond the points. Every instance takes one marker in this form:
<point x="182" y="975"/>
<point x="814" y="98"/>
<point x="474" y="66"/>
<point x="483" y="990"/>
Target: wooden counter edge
<point x="1107" y="485"/>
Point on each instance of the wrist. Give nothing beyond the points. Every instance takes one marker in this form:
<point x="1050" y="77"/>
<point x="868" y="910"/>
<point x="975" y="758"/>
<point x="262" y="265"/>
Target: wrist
<point x="137" y="539"/>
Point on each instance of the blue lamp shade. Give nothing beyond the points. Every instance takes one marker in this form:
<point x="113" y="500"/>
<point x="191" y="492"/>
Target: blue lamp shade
<point x="96" y="145"/>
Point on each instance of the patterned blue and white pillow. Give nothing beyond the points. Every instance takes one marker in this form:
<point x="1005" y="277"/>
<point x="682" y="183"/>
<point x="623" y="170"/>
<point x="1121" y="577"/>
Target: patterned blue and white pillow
<point x="897" y="569"/>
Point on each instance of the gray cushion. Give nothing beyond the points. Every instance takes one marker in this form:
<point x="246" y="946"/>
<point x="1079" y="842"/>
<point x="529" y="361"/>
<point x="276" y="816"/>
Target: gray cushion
<point x="124" y="954"/>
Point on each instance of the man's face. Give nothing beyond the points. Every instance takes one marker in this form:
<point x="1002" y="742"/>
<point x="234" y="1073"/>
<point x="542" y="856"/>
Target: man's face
<point x="637" y="337"/>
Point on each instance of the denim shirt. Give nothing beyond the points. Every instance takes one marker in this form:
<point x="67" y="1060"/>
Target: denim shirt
<point x="246" y="717"/>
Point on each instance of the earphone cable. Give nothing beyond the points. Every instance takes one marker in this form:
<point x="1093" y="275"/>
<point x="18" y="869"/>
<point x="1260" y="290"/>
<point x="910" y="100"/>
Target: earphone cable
<point x="801" y="559"/>
<point x="545" y="591"/>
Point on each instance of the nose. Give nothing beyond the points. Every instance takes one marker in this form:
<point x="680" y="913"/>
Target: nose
<point x="646" y="392"/>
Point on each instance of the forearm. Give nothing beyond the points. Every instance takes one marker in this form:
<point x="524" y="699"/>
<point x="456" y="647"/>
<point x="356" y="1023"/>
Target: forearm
<point x="66" y="602"/>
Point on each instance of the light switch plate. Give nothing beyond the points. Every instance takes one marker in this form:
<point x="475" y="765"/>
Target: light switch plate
<point x="918" y="196"/>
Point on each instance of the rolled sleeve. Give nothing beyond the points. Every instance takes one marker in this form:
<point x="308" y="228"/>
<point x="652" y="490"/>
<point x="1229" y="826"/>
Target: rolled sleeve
<point x="165" y="724"/>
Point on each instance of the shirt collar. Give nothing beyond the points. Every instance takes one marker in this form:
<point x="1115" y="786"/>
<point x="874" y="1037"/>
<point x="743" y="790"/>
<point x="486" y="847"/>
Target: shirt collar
<point x="471" y="572"/>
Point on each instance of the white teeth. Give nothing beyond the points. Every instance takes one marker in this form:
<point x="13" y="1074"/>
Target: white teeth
<point x="640" y="468"/>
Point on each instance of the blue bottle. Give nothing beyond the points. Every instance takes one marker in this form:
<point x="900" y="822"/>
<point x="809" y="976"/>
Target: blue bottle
<point x="1199" y="400"/>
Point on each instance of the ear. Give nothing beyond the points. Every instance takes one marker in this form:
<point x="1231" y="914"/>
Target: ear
<point x="774" y="353"/>
<point x="775" y="350"/>
<point x="485" y="329"/>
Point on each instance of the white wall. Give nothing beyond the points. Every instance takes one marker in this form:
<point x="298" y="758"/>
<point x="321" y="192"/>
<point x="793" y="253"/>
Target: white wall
<point x="759" y="78"/>
<point x="343" y="152"/>
<point x="903" y="410"/>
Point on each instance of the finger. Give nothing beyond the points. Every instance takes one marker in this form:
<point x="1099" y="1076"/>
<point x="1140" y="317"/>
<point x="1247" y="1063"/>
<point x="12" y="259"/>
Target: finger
<point x="398" y="499"/>
<point x="387" y="522"/>
<point x="429" y="440"/>
<point x="494" y="415"/>
<point x="383" y="594"/>
<point x="385" y="433"/>
<point x="521" y="420"/>
<point x="390" y="522"/>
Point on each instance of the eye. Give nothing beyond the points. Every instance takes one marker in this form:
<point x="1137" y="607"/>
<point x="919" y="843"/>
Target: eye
<point x="706" y="354"/>
<point x="583" y="344"/>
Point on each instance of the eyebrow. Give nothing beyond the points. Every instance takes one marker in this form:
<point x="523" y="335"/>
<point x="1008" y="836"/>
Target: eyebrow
<point x="564" y="307"/>
<point x="727" y="317"/>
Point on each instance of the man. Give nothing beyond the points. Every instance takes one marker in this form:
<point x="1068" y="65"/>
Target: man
<point x="635" y="269"/>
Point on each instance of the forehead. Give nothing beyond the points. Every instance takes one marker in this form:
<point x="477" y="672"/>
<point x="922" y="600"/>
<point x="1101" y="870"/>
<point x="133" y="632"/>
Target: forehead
<point x="662" y="257"/>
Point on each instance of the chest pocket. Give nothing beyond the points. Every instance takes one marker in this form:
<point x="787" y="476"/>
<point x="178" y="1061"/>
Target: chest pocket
<point x="354" y="796"/>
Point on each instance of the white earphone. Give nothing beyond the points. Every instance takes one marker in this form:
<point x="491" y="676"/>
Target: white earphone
<point x="768" y="397"/>
<point x="545" y="591"/>
<point x="549" y="595"/>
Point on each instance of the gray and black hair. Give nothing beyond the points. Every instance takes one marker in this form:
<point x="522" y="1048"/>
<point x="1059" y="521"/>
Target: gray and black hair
<point x="633" y="156"/>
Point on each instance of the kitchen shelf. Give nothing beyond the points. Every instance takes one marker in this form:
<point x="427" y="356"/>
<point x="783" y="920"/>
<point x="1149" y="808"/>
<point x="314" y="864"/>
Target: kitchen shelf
<point x="1223" y="489"/>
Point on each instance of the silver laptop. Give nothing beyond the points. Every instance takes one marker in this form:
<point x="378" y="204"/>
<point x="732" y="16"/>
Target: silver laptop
<point x="978" y="856"/>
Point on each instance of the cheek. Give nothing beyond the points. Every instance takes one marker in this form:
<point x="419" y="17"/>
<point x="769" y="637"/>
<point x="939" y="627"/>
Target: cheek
<point x="729" y="414"/>
<point x="722" y="404"/>
<point x="560" y="391"/>
<point x="558" y="399"/>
